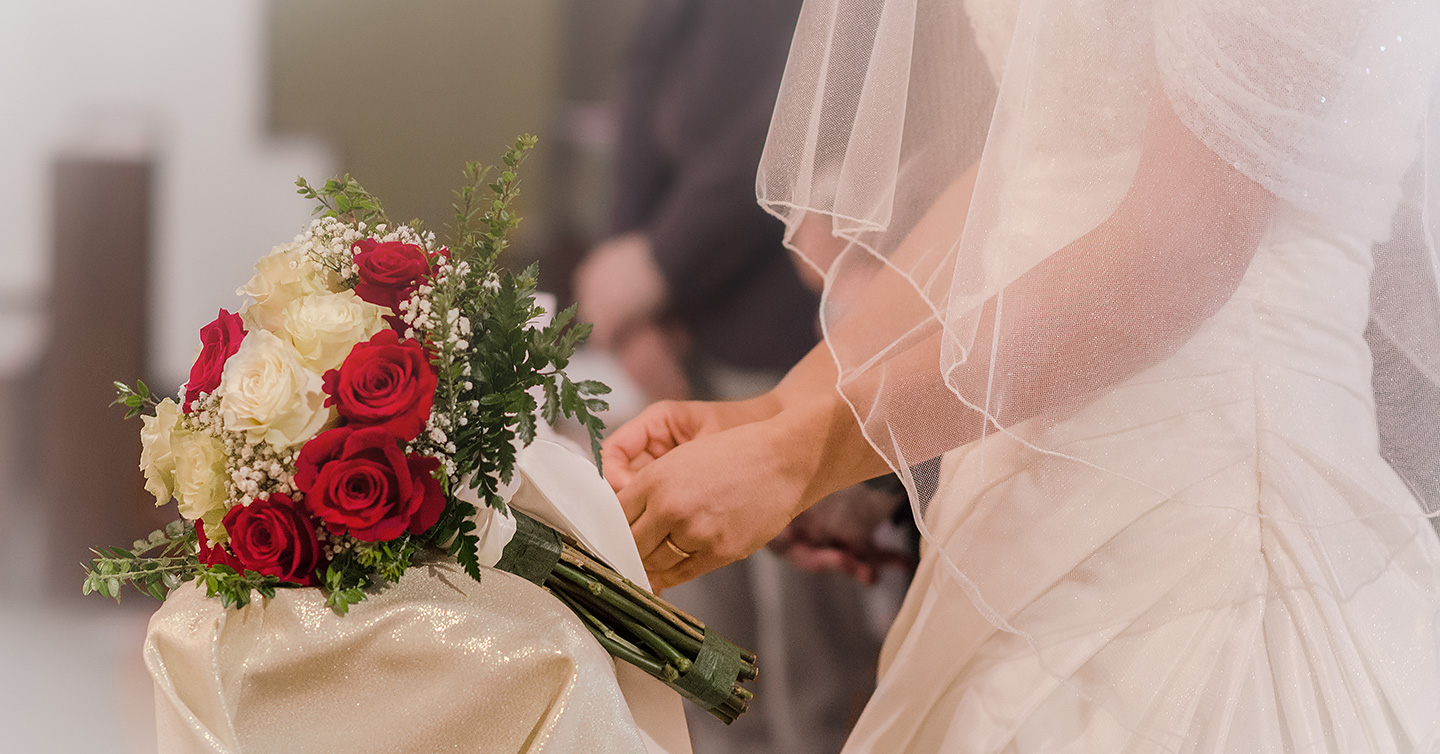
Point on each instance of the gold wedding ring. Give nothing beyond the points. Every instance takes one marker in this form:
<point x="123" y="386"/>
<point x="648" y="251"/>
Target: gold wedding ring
<point x="675" y="548"/>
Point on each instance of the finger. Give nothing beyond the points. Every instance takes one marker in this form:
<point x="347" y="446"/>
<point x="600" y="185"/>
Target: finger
<point x="627" y="450"/>
<point x="686" y="570"/>
<point x="666" y="556"/>
<point x="625" y="476"/>
<point x="632" y="501"/>
<point x="650" y="528"/>
<point x="816" y="560"/>
<point x="639" y="436"/>
<point x="620" y="469"/>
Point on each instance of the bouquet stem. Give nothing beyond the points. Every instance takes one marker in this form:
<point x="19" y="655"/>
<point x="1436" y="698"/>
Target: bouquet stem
<point x="632" y="624"/>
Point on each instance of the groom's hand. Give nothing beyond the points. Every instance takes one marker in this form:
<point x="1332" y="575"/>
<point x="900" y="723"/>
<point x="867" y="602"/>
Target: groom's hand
<point x="619" y="286"/>
<point x="838" y="534"/>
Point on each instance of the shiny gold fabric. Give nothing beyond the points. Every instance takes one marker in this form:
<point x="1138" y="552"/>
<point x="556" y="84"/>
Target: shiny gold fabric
<point x="437" y="663"/>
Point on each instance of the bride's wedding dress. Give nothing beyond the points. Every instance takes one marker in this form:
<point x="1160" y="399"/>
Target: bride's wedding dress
<point x="1201" y="592"/>
<point x="1211" y="555"/>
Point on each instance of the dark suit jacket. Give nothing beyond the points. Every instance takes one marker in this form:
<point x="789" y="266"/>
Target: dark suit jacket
<point x="701" y="87"/>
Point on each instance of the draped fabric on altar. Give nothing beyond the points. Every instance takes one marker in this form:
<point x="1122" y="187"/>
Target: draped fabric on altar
<point x="438" y="662"/>
<point x="1197" y="517"/>
<point x="435" y="662"/>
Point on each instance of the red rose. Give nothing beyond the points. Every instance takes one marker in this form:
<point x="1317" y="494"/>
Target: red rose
<point x="389" y="271"/>
<point x="216" y="555"/>
<point x="360" y="482"/>
<point x="276" y="538"/>
<point x="219" y="340"/>
<point x="385" y="382"/>
<point x="320" y="450"/>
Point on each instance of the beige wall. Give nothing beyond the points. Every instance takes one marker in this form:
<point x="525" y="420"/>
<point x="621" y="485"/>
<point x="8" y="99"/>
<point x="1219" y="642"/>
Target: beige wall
<point x="406" y="92"/>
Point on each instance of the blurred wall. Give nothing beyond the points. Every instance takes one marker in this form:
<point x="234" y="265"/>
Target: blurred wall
<point x="596" y="42"/>
<point x="171" y="80"/>
<point x="134" y="136"/>
<point x="407" y="92"/>
<point x="223" y="102"/>
<point x="174" y="86"/>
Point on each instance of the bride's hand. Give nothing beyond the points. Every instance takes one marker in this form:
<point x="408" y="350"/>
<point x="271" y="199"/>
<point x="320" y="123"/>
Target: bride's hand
<point x="713" y="500"/>
<point x="668" y="424"/>
<point x="716" y="498"/>
<point x="705" y="484"/>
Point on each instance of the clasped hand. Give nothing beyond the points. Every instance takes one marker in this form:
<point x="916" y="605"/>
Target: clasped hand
<point x="706" y="484"/>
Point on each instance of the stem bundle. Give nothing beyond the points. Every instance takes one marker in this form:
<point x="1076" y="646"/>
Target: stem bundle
<point x="633" y="624"/>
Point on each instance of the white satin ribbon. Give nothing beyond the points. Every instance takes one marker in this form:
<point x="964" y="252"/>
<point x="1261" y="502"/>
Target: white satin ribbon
<point x="495" y="529"/>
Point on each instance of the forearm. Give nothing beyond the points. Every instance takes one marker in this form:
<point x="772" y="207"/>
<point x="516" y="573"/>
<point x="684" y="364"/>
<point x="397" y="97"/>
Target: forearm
<point x="809" y="396"/>
<point x="1120" y="298"/>
<point x="1128" y="293"/>
<point x="887" y="296"/>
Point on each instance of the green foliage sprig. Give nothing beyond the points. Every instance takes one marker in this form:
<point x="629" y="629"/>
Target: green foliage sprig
<point x="136" y="400"/>
<point x="163" y="561"/>
<point x="505" y="359"/>
<point x="346" y="199"/>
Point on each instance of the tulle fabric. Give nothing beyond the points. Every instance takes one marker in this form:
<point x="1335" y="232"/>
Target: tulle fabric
<point x="1334" y="423"/>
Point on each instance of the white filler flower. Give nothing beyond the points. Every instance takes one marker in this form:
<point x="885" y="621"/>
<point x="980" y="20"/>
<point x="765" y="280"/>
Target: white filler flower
<point x="268" y="394"/>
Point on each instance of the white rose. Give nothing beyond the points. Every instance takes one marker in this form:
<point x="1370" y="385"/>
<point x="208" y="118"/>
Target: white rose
<point x="324" y="327"/>
<point x="285" y="274"/>
<point x="267" y="393"/>
<point x="215" y="528"/>
<point x="156" y="458"/>
<point x="199" y="475"/>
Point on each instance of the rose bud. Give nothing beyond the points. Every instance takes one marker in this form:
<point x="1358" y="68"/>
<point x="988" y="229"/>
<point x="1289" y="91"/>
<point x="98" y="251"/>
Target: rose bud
<point x="384" y="382"/>
<point x="219" y="340"/>
<point x="360" y="482"/>
<point x="274" y="537"/>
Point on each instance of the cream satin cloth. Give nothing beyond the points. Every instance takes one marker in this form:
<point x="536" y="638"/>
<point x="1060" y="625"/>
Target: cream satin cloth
<point x="437" y="663"/>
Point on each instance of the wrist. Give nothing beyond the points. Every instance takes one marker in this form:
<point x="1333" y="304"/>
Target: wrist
<point x="820" y="446"/>
<point x="813" y="379"/>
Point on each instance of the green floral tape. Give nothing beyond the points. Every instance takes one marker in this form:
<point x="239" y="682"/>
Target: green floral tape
<point x="532" y="552"/>
<point x="710" y="681"/>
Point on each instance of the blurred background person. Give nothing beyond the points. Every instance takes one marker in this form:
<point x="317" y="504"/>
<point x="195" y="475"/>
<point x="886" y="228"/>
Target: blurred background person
<point x="695" y="295"/>
<point x="694" y="290"/>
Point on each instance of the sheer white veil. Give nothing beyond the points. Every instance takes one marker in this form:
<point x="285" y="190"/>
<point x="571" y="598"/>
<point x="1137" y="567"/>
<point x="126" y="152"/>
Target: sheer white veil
<point x="1329" y="105"/>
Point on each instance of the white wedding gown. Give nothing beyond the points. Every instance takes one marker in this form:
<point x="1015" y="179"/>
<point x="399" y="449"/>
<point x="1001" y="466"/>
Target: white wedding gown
<point x="1190" y="591"/>
<point x="1257" y="579"/>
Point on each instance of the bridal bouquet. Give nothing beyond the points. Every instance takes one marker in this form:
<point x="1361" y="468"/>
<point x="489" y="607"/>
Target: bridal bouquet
<point x="331" y="427"/>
